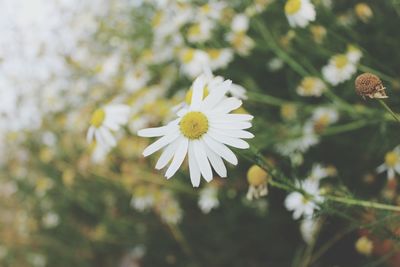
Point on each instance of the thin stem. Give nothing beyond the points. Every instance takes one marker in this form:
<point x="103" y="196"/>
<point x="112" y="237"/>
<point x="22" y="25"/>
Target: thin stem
<point x="389" y="110"/>
<point x="363" y="203"/>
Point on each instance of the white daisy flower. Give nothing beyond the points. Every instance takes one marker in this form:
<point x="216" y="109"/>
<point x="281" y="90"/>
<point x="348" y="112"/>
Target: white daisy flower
<point x="219" y="58"/>
<point x="353" y="54"/>
<point x="200" y="31"/>
<point x="325" y="116"/>
<point x="302" y="205"/>
<point x="104" y="121"/>
<point x="193" y="61"/>
<point x="311" y="86"/>
<point x="142" y="198"/>
<point x="391" y="164"/>
<point x="240" y="23"/>
<point x="299" y="12"/>
<point x="339" y="69"/>
<point x="202" y="131"/>
<point x="208" y="199"/>
<point x="320" y="171"/>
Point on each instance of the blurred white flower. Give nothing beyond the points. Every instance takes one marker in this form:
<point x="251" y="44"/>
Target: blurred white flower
<point x="104" y="120"/>
<point x="202" y="131"/>
<point x="339" y="69"/>
<point x="304" y="205"/>
<point x="391" y="164"/>
<point x="50" y="220"/>
<point x="200" y="31"/>
<point x="208" y="199"/>
<point x="142" y="198"/>
<point x="299" y="12"/>
<point x="311" y="86"/>
<point x="193" y="61"/>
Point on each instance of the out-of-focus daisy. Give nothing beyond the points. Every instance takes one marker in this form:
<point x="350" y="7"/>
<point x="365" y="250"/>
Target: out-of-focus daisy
<point x="238" y="36"/>
<point x="363" y="12"/>
<point x="320" y="171"/>
<point x="302" y="205"/>
<point x="319" y="33"/>
<point x="142" y="198"/>
<point x="193" y="61"/>
<point x="353" y="53"/>
<point x="391" y="164"/>
<point x="50" y="220"/>
<point x="257" y="179"/>
<point x="104" y="121"/>
<point x="212" y="9"/>
<point x="275" y="64"/>
<point x="339" y="69"/>
<point x="299" y="12"/>
<point x="168" y="208"/>
<point x="323" y="117"/>
<point x="208" y="199"/>
<point x="200" y="31"/>
<point x="202" y="131"/>
<point x="219" y="58"/>
<point x="311" y="86"/>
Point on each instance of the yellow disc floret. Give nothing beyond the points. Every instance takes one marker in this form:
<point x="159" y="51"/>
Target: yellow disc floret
<point x="292" y="6"/>
<point x="98" y="118"/>
<point x="391" y="159"/>
<point x="256" y="176"/>
<point x="194" y="124"/>
<point x="340" y="61"/>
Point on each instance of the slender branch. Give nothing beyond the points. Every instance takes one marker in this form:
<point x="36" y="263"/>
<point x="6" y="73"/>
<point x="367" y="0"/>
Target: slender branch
<point x="389" y="110"/>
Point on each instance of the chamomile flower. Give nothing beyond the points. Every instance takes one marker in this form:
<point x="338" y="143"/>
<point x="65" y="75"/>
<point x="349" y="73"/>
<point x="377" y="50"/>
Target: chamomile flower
<point x="203" y="130"/>
<point x="391" y="164"/>
<point x="200" y="31"/>
<point x="104" y="121"/>
<point x="323" y="117"/>
<point x="219" y="58"/>
<point x="299" y="12"/>
<point x="302" y="205"/>
<point x="339" y="69"/>
<point x="142" y="198"/>
<point x="354" y="54"/>
<point x="193" y="61"/>
<point x="311" y="86"/>
<point x="208" y="199"/>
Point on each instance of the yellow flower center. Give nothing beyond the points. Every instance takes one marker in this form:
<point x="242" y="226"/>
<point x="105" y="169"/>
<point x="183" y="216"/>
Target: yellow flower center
<point x="214" y="53"/>
<point x="391" y="159"/>
<point x="194" y="30"/>
<point x="205" y="8"/>
<point x="256" y="176"/>
<point x="188" y="55"/>
<point x="188" y="97"/>
<point x="292" y="6"/>
<point x="98" y="118"/>
<point x="308" y="84"/>
<point x="194" y="124"/>
<point x="341" y="61"/>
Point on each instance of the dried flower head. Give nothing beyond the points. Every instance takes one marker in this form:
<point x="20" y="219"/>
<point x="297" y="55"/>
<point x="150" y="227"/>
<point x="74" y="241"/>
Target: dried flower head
<point x="368" y="84"/>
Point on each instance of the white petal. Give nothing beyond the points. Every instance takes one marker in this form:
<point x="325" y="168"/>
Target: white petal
<point x="216" y="96"/>
<point x="220" y="149"/>
<point x="167" y="154"/>
<point x="230" y="141"/>
<point x="231" y="125"/>
<point x="235" y="133"/>
<point x="107" y="136"/>
<point x="193" y="167"/>
<point x="178" y="158"/>
<point x="154" y="132"/>
<point x="99" y="138"/>
<point x="227" y="105"/>
<point x="215" y="161"/>
<point x="197" y="95"/>
<point x="230" y="118"/>
<point x="160" y="143"/>
<point x="202" y="161"/>
<point x="90" y="134"/>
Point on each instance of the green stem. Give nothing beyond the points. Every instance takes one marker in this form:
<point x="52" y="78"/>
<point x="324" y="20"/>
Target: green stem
<point x="389" y="110"/>
<point x="363" y="203"/>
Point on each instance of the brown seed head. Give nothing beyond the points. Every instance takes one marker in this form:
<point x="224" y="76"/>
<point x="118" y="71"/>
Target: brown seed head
<point x="368" y="84"/>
